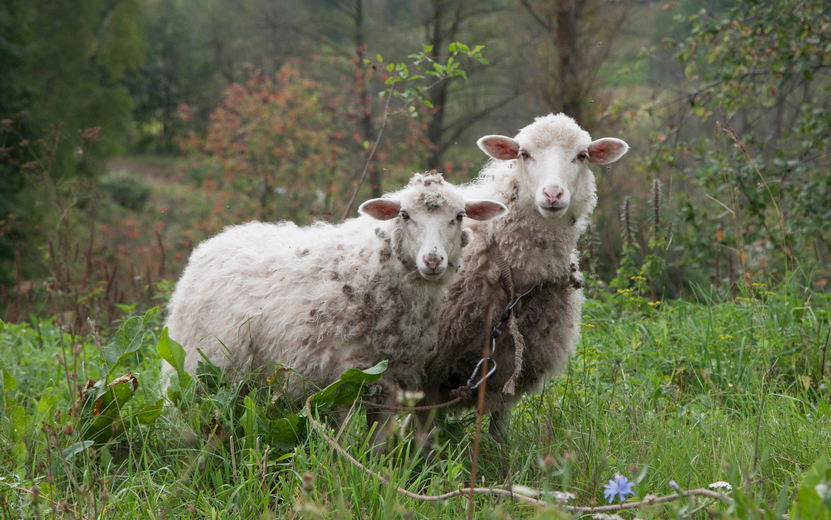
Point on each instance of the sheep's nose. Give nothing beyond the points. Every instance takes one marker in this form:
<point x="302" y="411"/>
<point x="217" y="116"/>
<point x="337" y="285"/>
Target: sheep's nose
<point x="553" y="194"/>
<point x="433" y="262"/>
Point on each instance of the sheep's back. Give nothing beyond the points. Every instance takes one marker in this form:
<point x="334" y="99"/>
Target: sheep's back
<point x="319" y="299"/>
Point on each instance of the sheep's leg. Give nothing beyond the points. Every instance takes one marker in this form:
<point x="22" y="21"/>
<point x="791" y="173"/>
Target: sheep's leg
<point x="500" y="421"/>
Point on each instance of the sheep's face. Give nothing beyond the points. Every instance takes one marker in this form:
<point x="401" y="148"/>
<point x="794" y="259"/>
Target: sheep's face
<point x="430" y="219"/>
<point x="552" y="157"/>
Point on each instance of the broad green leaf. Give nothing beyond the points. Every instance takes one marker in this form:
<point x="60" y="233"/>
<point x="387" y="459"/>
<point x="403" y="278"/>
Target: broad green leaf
<point x="2" y="325"/>
<point x="18" y="421"/>
<point x="76" y="448"/>
<point x="427" y="48"/>
<point x="285" y="433"/>
<point x="48" y="403"/>
<point x="105" y="458"/>
<point x="348" y="387"/>
<point x="150" y="412"/>
<point x="9" y="382"/>
<point x="253" y="420"/>
<point x="171" y="352"/>
<point x="100" y="416"/>
<point x="127" y="340"/>
<point x="149" y="315"/>
<point x="379" y="58"/>
<point x="19" y="453"/>
<point x="813" y="498"/>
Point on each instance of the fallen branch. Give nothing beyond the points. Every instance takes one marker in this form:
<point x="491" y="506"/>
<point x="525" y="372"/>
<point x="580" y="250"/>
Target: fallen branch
<point x="648" y="501"/>
<point x="319" y="428"/>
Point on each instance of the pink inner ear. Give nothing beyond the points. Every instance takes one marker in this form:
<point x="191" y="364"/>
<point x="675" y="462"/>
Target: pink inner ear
<point x="499" y="147"/>
<point x="607" y="150"/>
<point x="484" y="209"/>
<point x="382" y="209"/>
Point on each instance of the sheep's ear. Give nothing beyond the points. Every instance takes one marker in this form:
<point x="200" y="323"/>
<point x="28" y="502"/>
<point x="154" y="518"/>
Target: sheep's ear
<point x="499" y="147"/>
<point x="607" y="150"/>
<point x="382" y="209"/>
<point x="484" y="209"/>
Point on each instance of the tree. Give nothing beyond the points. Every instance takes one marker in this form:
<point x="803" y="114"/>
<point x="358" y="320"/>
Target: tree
<point x="749" y="135"/>
<point x="280" y="141"/>
<point x="447" y="22"/>
<point x="63" y="64"/>
<point x="579" y="39"/>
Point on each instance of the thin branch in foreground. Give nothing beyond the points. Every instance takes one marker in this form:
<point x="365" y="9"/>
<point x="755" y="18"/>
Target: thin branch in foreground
<point x="371" y="155"/>
<point x="649" y="500"/>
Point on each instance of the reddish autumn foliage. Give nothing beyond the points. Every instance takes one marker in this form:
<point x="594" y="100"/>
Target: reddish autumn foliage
<point x="287" y="147"/>
<point x="274" y="146"/>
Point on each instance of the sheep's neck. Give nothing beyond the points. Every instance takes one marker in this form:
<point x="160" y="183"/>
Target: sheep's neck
<point x="524" y="233"/>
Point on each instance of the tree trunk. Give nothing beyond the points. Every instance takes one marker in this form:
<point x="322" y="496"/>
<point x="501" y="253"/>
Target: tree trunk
<point x="438" y="95"/>
<point x="367" y="127"/>
<point x="568" y="15"/>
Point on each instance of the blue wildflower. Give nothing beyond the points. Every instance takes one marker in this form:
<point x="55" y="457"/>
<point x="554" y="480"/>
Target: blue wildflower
<point x="674" y="485"/>
<point x="619" y="486"/>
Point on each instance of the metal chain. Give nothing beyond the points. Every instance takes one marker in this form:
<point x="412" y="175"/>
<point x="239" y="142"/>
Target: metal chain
<point x="495" y="333"/>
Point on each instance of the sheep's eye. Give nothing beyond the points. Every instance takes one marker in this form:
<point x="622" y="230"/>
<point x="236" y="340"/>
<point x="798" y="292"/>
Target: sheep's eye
<point x="583" y="155"/>
<point x="524" y="154"/>
<point x="460" y="216"/>
<point x="405" y="215"/>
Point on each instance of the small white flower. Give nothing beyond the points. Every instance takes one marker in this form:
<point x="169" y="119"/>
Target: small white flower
<point x="823" y="491"/>
<point x="721" y="485"/>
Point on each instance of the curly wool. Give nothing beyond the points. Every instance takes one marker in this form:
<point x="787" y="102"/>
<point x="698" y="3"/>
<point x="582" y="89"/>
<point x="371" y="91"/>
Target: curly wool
<point x="318" y="299"/>
<point x="540" y="252"/>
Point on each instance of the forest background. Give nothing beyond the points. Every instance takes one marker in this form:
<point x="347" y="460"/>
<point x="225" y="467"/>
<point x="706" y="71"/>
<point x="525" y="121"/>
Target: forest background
<point x="132" y="130"/>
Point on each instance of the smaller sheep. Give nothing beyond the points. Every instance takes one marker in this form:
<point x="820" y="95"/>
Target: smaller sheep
<point x="542" y="175"/>
<point x="325" y="298"/>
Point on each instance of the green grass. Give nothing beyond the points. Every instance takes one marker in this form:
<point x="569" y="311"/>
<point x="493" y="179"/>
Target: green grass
<point x="691" y="391"/>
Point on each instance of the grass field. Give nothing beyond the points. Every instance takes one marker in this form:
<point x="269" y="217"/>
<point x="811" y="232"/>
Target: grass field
<point x="693" y="392"/>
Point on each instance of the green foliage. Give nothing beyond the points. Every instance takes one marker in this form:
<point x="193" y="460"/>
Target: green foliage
<point x="754" y="197"/>
<point x="174" y="354"/>
<point x="677" y="391"/>
<point x="348" y="387"/>
<point x="65" y="68"/>
<point x="127" y="340"/>
<point x="441" y="68"/>
<point x="128" y="192"/>
<point x="279" y="140"/>
<point x="813" y="496"/>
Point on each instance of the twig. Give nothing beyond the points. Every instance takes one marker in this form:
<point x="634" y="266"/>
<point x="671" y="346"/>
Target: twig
<point x="648" y="501"/>
<point x="371" y="155"/>
<point x="319" y="428"/>
<point x="486" y="352"/>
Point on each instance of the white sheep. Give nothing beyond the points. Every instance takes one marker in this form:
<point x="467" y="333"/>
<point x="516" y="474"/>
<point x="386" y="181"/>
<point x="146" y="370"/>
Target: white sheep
<point x="325" y="298"/>
<point x="542" y="175"/>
